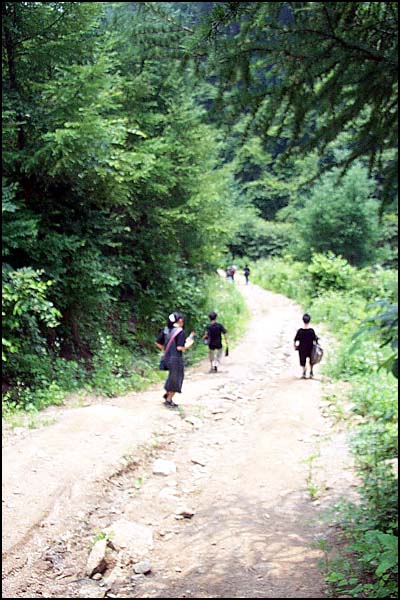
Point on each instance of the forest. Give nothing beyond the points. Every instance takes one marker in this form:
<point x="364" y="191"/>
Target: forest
<point x="146" y="145"/>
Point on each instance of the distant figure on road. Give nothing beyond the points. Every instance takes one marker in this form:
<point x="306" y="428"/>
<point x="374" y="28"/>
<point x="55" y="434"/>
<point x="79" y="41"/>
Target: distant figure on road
<point x="230" y="273"/>
<point x="304" y="342"/>
<point x="246" y="272"/>
<point x="214" y="338"/>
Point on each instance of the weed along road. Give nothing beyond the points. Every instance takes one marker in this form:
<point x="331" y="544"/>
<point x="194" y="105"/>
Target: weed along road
<point x="219" y="499"/>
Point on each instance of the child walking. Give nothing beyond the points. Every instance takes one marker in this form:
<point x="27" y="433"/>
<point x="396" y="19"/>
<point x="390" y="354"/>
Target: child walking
<point x="214" y="337"/>
<point x="304" y="342"/>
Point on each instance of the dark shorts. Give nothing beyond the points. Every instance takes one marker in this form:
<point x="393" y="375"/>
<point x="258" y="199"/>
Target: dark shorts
<point x="303" y="355"/>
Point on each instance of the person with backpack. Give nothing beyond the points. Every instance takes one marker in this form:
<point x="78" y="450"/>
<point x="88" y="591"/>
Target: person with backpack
<point x="173" y="341"/>
<point x="304" y="342"/>
<point x="213" y="337"/>
<point x="230" y="273"/>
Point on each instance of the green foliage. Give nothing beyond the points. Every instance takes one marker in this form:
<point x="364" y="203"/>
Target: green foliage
<point x="116" y="370"/>
<point x="25" y="308"/>
<point x="19" y="226"/>
<point x="376" y="283"/>
<point x="385" y="323"/>
<point x="369" y="569"/>
<point x="26" y="399"/>
<point x="341" y="311"/>
<point x="388" y="253"/>
<point x="283" y="275"/>
<point x="340" y="217"/>
<point x="113" y="191"/>
<point x="330" y="272"/>
<point x="261" y="183"/>
<point x="338" y="294"/>
<point x="257" y="238"/>
<point x="225" y="299"/>
<point x="306" y="73"/>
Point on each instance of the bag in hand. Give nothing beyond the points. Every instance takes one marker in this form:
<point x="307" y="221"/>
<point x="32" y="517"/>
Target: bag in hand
<point x="227" y="351"/>
<point x="316" y="354"/>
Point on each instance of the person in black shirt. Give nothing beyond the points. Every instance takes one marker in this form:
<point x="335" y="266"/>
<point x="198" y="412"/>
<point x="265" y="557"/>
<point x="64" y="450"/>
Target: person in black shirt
<point x="214" y="340"/>
<point x="303" y="342"/>
<point x="246" y="272"/>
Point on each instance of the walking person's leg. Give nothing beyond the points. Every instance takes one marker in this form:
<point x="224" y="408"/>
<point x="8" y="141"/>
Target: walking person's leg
<point x="311" y="369"/>
<point x="303" y="358"/>
<point x="211" y="357"/>
<point x="218" y="359"/>
<point x="174" y="382"/>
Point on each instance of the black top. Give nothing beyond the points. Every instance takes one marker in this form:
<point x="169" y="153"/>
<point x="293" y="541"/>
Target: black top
<point x="306" y="337"/>
<point x="214" y="331"/>
<point x="165" y="334"/>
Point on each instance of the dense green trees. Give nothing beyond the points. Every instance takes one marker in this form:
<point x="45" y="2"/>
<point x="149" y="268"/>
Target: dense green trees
<point x="305" y="72"/>
<point x="114" y="204"/>
<point x="340" y="218"/>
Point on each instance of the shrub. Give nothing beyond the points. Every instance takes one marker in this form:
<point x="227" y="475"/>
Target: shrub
<point x="330" y="273"/>
<point x="260" y="239"/>
<point x="342" y="311"/>
<point x="341" y="217"/>
<point x="284" y="276"/>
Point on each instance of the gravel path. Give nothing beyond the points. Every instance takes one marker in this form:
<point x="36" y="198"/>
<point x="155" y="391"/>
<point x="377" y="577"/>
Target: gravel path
<point x="251" y="445"/>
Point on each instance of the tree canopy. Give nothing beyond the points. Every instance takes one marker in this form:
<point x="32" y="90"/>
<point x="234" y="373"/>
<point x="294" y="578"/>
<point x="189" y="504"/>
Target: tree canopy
<point x="306" y="72"/>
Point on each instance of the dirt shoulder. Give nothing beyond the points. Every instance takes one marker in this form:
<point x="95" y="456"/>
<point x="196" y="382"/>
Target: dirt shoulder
<point x="250" y="446"/>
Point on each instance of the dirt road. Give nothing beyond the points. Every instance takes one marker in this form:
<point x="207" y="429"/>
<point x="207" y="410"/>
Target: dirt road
<point x="256" y="463"/>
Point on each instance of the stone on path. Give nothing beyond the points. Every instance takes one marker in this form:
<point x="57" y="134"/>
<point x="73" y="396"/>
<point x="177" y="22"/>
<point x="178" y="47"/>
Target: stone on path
<point x="164" y="467"/>
<point x="91" y="590"/>
<point x="143" y="567"/>
<point x="97" y="562"/>
<point x="136" y="538"/>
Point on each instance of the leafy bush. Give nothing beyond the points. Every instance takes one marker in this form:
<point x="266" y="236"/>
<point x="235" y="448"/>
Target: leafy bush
<point x="340" y="216"/>
<point x="341" y="311"/>
<point x="374" y="283"/>
<point x="257" y="239"/>
<point x="330" y="273"/>
<point x="385" y="326"/>
<point x="373" y="397"/>
<point x="70" y="375"/>
<point x="354" y="358"/>
<point x="25" y="398"/>
<point x="113" y="368"/>
<point x="25" y="308"/>
<point x="284" y="276"/>
<point x="368" y="569"/>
